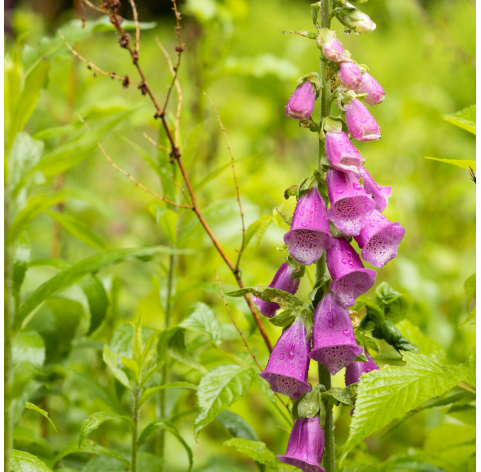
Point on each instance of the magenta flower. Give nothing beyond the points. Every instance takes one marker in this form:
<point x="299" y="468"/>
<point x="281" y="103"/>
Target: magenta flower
<point x="341" y="153"/>
<point x="333" y="50"/>
<point x="350" y="204"/>
<point x="305" y="446"/>
<point x="349" y="75"/>
<point x="360" y="123"/>
<point x="349" y="277"/>
<point x="288" y="364"/>
<point x="375" y="93"/>
<point x="309" y="236"/>
<point x="379" y="239"/>
<point x="334" y="344"/>
<point x="379" y="194"/>
<point x="301" y="104"/>
<point x="356" y="369"/>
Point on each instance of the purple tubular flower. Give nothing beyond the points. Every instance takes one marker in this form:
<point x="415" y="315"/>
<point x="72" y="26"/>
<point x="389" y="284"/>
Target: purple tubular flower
<point x="349" y="277"/>
<point x="301" y="104"/>
<point x="288" y="364"/>
<point x="309" y="236"/>
<point x="341" y="154"/>
<point x="349" y="75"/>
<point x="283" y="281"/>
<point x="305" y="446"/>
<point x="379" y="194"/>
<point x="360" y="123"/>
<point x="333" y="50"/>
<point x="334" y="344"/>
<point x="379" y="239"/>
<point x="375" y="93"/>
<point x="356" y="369"/>
<point x="350" y="204"/>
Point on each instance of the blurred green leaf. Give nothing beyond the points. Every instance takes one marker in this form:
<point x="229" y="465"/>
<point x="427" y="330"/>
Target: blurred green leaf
<point x="257" y="230"/>
<point x="426" y="345"/>
<point x="103" y="25"/>
<point x="465" y="118"/>
<point x="132" y="366"/>
<point x="470" y="317"/>
<point x="119" y="374"/>
<point x="97" y="299"/>
<point x="470" y="289"/>
<point x="236" y="426"/>
<point x="366" y="341"/>
<point x="21" y="259"/>
<point x="202" y="318"/>
<point x="24" y="437"/>
<point x="158" y="388"/>
<point x="464" y="164"/>
<point x="28" y="346"/>
<point x="149" y="350"/>
<point x="33" y="407"/>
<point x="168" y="222"/>
<point x="175" y="345"/>
<point x="95" y="420"/>
<point x="218" y="390"/>
<point x="256" y="450"/>
<point x="90" y="447"/>
<point x="24" y="462"/>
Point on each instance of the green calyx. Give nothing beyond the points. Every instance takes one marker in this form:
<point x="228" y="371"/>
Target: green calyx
<point x="298" y="268"/>
<point x="314" y="79"/>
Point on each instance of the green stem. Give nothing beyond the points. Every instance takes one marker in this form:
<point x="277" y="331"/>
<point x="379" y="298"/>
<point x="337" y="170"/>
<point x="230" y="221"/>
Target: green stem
<point x="135" y="432"/>
<point x="329" y="457"/>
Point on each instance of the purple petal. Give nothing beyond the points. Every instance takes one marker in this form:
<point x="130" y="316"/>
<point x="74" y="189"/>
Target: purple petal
<point x="375" y="93"/>
<point x="341" y="153"/>
<point x="333" y="50"/>
<point x="301" y="104"/>
<point x="360" y="123"/>
<point x="379" y="194"/>
<point x="349" y="75"/>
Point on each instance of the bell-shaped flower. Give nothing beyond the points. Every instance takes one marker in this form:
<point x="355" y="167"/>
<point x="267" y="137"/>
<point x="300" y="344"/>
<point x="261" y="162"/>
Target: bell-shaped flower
<point x="349" y="277"/>
<point x="288" y="364"/>
<point x="350" y="204"/>
<point x="356" y="20"/>
<point x="375" y="93"/>
<point x="356" y="369"/>
<point x="309" y="236"/>
<point x="341" y="153"/>
<point x="305" y="446"/>
<point x="330" y="46"/>
<point x="360" y="123"/>
<point x="334" y="344"/>
<point x="301" y="104"/>
<point x="379" y="239"/>
<point x="379" y="194"/>
<point x="282" y="281"/>
<point x="349" y="75"/>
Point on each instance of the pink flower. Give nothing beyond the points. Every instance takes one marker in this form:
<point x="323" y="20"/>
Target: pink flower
<point x="349" y="75"/>
<point x="360" y="123"/>
<point x="375" y="93"/>
<point x="301" y="104"/>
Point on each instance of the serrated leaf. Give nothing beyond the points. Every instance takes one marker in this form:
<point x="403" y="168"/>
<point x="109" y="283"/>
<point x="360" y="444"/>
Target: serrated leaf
<point x="33" y="407"/>
<point x="22" y="461"/>
<point x="269" y="294"/>
<point x="150" y="391"/>
<point x="119" y="374"/>
<point x="465" y="118"/>
<point x="79" y="230"/>
<point x="464" y="164"/>
<point x="95" y="420"/>
<point x="218" y="390"/>
<point x="166" y="426"/>
<point x="256" y="450"/>
<point x="202" y="318"/>
<point x="386" y="394"/>
<point x="257" y="230"/>
<point x="426" y="345"/>
<point x="90" y="447"/>
<point x="470" y="289"/>
<point x="236" y="426"/>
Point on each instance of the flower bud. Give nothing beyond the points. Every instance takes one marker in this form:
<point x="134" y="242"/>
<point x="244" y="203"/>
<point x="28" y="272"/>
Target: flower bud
<point x="341" y="154"/>
<point x="282" y="281"/>
<point x="356" y="20"/>
<point x="349" y="277"/>
<point x="349" y="75"/>
<point x="379" y="194"/>
<point x="301" y="104"/>
<point x="375" y="93"/>
<point x="309" y="236"/>
<point x="305" y="446"/>
<point x="288" y="364"/>
<point x="379" y="239"/>
<point x="360" y="123"/>
<point x="350" y="204"/>
<point x="334" y="344"/>
<point x="330" y="46"/>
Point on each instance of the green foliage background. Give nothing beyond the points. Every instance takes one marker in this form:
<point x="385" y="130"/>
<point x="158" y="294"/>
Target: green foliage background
<point x="423" y="55"/>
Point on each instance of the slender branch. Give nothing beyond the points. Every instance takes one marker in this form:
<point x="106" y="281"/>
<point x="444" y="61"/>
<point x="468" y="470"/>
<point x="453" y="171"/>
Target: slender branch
<point x="137" y="26"/>
<point x="222" y="127"/>
<point x="155" y="143"/>
<point x="91" y="5"/>
<point x="91" y="64"/>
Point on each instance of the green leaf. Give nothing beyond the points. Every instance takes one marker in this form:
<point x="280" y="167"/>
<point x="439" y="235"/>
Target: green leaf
<point x="31" y="406"/>
<point x="374" y="311"/>
<point x="27" y="101"/>
<point x="465" y="118"/>
<point x="386" y="394"/>
<point x="21" y="259"/>
<point x="28" y="346"/>
<point x="103" y="25"/>
<point x="168" y="222"/>
<point x="97" y="298"/>
<point x="202" y="318"/>
<point x="92" y="264"/>
<point x="347" y="395"/>
<point x="366" y="341"/>
<point x="166" y="426"/>
<point x="175" y="344"/>
<point x="95" y="420"/>
<point x="236" y="426"/>
<point x="470" y="317"/>
<point x="132" y="366"/>
<point x="283" y="319"/>
<point x="308" y="407"/>
<point x="152" y="390"/>
<point x="470" y="289"/>
<point x="257" y="229"/>
<point x="119" y="374"/>
<point x="149" y="350"/>
<point x="268" y="294"/>
<point x="24" y="462"/>
<point x="218" y="390"/>
<point x="24" y="436"/>
<point x="79" y="230"/>
<point x="256" y="450"/>
<point x="396" y="305"/>
<point x="426" y="345"/>
<point x="464" y="164"/>
<point x="90" y="447"/>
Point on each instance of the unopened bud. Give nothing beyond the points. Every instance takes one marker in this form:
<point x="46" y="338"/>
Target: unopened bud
<point x="355" y="20"/>
<point x="330" y="46"/>
<point x="349" y="75"/>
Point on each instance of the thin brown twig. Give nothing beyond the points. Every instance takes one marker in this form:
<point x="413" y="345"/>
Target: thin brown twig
<point x="222" y="127"/>
<point x="91" y="64"/>
<point x="155" y="143"/>
<point x="91" y="5"/>
<point x="180" y="188"/>
<point x="137" y="26"/>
